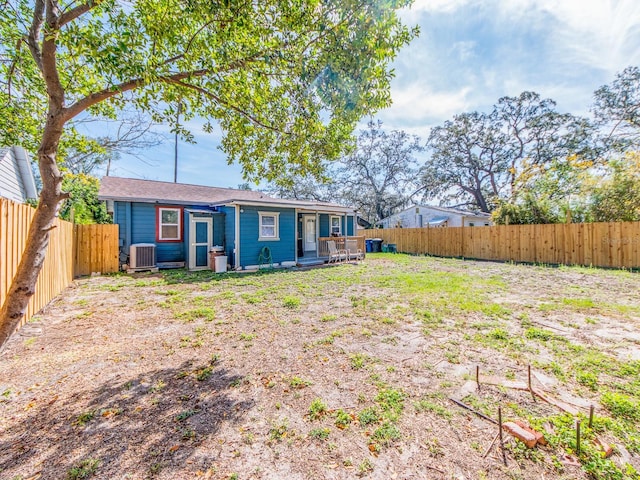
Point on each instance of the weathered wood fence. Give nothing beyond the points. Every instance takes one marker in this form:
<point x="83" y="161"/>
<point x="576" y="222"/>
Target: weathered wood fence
<point x="614" y="245"/>
<point x="73" y="250"/>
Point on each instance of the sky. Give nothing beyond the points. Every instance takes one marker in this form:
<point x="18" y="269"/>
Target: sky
<point x="469" y="54"/>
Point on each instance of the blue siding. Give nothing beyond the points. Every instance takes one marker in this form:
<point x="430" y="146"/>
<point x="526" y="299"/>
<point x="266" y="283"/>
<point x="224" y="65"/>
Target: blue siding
<point x="143" y="222"/>
<point x="120" y="217"/>
<point x="137" y="222"/>
<point x="229" y="232"/>
<point x="282" y="250"/>
<point x="218" y="228"/>
<point x="324" y="225"/>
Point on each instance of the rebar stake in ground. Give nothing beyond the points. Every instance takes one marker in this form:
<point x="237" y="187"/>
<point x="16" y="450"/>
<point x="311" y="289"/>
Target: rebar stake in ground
<point x="504" y="455"/>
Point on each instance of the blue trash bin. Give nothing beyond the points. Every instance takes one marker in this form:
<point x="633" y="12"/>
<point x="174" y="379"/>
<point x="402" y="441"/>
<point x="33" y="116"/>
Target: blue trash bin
<point x="368" y="245"/>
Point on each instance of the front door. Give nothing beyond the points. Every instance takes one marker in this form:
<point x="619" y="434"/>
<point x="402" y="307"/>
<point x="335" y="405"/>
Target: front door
<point x="200" y="233"/>
<point x="310" y="234"/>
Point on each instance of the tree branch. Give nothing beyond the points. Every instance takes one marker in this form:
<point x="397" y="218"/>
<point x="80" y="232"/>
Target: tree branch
<point x="34" y="33"/>
<point x="75" y="12"/>
<point x="49" y="64"/>
<point x="189" y="43"/>
<point x="97" y="97"/>
<point x="215" y="97"/>
<point x="12" y="69"/>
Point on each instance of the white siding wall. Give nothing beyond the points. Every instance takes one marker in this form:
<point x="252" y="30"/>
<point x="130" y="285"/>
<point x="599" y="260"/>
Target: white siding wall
<point x="11" y="185"/>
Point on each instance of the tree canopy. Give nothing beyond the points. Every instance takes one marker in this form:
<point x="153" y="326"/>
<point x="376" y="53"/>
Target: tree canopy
<point x="479" y="159"/>
<point x="617" y="110"/>
<point x="83" y="205"/>
<point x="286" y="81"/>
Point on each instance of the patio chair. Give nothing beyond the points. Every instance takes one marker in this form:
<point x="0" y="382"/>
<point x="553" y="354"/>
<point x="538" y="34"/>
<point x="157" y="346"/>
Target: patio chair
<point x="353" y="252"/>
<point x="335" y="254"/>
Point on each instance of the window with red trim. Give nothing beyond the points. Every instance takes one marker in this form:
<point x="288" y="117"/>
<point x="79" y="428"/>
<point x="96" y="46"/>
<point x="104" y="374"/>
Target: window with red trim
<point x="168" y="224"/>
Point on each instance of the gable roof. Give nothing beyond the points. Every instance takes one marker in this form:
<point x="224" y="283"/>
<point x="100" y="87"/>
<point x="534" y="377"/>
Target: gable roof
<point x="135" y="190"/>
<point x="152" y="191"/>
<point x="16" y="178"/>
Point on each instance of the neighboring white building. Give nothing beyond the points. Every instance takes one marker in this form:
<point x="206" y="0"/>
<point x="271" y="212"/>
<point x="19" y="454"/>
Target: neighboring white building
<point x="430" y="216"/>
<point x="16" y="178"/>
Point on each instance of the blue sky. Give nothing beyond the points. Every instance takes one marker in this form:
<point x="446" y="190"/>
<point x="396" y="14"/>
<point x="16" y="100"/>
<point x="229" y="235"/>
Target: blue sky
<point x="468" y="55"/>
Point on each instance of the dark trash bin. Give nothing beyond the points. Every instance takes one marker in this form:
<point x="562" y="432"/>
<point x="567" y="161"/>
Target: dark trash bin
<point x="392" y="248"/>
<point x="368" y="245"/>
<point x="376" y="245"/>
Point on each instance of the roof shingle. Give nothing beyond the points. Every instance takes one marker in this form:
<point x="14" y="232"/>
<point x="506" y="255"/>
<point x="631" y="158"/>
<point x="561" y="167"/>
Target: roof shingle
<point x="135" y="190"/>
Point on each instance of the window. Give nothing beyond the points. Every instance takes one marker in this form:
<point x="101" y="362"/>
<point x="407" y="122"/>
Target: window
<point x="336" y="226"/>
<point x="268" y="225"/>
<point x="169" y="224"/>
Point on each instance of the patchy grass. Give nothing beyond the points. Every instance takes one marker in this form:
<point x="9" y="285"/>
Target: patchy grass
<point x="330" y="373"/>
<point x="84" y="469"/>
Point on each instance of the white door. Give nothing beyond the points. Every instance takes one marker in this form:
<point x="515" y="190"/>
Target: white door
<point x="310" y="234"/>
<point x="200" y="233"/>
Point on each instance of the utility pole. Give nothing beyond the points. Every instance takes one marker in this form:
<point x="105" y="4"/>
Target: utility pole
<point x="175" y="159"/>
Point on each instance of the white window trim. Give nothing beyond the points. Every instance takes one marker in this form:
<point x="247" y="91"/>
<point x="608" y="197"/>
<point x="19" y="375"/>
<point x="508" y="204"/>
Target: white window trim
<point x="331" y="217"/>
<point x="161" y="223"/>
<point x="276" y="229"/>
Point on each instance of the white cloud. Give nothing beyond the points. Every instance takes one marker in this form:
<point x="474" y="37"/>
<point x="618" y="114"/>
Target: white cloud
<point x="416" y="103"/>
<point x="464" y="50"/>
<point x="602" y="34"/>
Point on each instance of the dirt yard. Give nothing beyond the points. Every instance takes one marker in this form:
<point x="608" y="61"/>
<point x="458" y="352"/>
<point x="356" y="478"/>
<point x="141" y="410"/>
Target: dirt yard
<point x="329" y="373"/>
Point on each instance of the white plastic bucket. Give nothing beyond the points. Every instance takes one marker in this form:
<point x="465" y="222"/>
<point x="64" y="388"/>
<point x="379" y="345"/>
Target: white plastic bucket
<point x="221" y="263"/>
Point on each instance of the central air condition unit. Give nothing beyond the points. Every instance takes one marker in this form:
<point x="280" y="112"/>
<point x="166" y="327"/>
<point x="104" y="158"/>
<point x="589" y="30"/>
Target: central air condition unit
<point x="142" y="256"/>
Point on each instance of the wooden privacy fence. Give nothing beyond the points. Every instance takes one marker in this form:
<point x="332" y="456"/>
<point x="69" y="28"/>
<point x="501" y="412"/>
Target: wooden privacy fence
<point x="95" y="249"/>
<point x="614" y="245"/>
<point x="73" y="250"/>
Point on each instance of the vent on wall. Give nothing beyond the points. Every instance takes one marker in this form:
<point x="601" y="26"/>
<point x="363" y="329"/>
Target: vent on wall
<point x="142" y="255"/>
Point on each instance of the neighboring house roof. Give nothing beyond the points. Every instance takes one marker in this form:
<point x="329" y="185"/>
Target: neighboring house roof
<point x="363" y="222"/>
<point x="151" y="191"/>
<point x="16" y="178"/>
<point x="437" y="221"/>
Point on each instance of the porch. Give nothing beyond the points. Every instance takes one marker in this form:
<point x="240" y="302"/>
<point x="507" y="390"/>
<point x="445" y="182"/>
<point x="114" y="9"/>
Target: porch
<point x="351" y="243"/>
<point x="321" y="255"/>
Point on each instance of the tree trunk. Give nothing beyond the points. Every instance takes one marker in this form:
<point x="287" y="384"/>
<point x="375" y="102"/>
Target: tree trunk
<point x="24" y="282"/>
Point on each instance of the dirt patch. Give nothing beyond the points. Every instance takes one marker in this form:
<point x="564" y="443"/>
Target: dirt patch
<point x="329" y="373"/>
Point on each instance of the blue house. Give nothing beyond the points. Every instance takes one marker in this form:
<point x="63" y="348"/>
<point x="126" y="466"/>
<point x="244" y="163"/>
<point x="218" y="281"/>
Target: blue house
<point x="185" y="221"/>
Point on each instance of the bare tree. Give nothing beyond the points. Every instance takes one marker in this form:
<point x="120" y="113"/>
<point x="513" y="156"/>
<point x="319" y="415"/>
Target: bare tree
<point x="132" y="136"/>
<point x="380" y="176"/>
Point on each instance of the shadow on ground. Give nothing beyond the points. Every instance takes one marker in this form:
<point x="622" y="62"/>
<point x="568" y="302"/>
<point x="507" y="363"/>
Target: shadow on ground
<point x="139" y="426"/>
